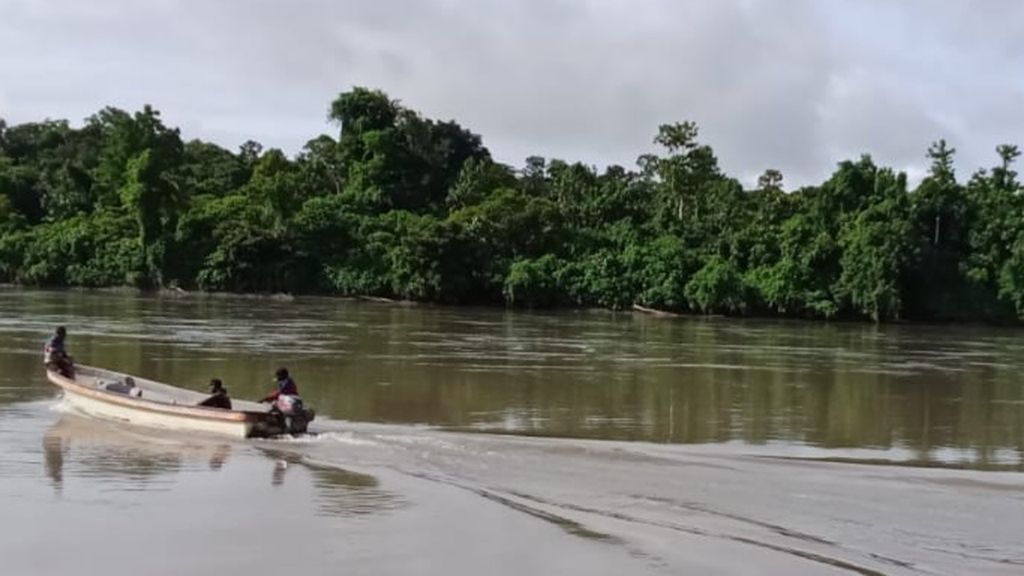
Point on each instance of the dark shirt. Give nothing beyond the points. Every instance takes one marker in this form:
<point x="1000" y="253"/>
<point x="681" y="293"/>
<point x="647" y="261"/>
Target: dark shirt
<point x="218" y="400"/>
<point x="54" y="350"/>
<point x="286" y="386"/>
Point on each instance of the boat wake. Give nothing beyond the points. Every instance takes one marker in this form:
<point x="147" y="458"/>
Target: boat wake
<point x="710" y="508"/>
<point x="461" y="499"/>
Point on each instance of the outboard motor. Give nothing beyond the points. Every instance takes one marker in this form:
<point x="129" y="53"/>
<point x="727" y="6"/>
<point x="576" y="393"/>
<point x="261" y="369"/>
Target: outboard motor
<point x="294" y="417"/>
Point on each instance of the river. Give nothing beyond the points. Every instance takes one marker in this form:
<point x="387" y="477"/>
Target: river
<point x="465" y="441"/>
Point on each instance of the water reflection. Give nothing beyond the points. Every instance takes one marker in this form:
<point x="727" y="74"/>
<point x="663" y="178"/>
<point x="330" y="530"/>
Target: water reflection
<point x="219" y="456"/>
<point x="122" y="457"/>
<point x="54" y="451"/>
<point x="339" y="492"/>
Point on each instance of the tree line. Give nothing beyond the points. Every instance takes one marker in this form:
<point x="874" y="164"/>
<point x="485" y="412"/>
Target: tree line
<point x="401" y="206"/>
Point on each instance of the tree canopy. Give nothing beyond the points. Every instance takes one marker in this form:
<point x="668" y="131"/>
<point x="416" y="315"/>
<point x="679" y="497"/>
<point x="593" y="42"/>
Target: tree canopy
<point x="397" y="205"/>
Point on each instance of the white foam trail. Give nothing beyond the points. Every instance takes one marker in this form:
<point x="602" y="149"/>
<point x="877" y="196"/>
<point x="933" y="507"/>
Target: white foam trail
<point x="347" y="438"/>
<point x="62" y="406"/>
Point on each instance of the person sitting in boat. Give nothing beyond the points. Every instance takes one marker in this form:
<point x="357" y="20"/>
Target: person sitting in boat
<point x="286" y="397"/>
<point x="55" y="355"/>
<point x="285" y="385"/>
<point x="127" y="387"/>
<point x="218" y="396"/>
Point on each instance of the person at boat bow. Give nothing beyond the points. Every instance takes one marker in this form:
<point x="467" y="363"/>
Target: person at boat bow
<point x="218" y="396"/>
<point x="55" y="355"/>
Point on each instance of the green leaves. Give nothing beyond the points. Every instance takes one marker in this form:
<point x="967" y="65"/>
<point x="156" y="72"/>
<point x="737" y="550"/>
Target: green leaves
<point x="1011" y="278"/>
<point x="535" y="282"/>
<point x="717" y="287"/>
<point x="96" y="250"/>
<point x="123" y="138"/>
<point x="395" y="159"/>
<point x="154" y="201"/>
<point x="403" y="206"/>
<point x="876" y="248"/>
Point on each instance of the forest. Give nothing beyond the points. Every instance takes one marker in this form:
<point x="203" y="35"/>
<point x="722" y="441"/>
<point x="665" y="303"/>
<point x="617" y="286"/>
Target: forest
<point x="396" y="205"/>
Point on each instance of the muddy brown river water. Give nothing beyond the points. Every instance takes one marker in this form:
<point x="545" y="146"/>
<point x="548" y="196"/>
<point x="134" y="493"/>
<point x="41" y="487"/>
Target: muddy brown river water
<point x="473" y="441"/>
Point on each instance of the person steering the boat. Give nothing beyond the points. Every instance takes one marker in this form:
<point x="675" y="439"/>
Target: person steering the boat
<point x="218" y="396"/>
<point x="285" y="386"/>
<point x="286" y="406"/>
<point x="55" y="355"/>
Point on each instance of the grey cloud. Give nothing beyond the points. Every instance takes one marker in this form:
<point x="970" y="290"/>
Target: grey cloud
<point x="795" y="85"/>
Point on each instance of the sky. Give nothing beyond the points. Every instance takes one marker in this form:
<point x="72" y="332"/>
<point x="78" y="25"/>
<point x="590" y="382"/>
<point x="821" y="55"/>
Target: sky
<point x="795" y="85"/>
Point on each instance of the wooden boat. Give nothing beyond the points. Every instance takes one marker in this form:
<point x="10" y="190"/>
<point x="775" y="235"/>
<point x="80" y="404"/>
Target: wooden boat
<point x="165" y="406"/>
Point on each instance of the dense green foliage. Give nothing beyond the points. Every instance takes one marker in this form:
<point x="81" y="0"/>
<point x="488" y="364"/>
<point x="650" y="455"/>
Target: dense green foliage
<point x="402" y="206"/>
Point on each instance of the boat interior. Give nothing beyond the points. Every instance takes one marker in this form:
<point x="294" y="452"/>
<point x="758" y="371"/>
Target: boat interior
<point x="152" y="390"/>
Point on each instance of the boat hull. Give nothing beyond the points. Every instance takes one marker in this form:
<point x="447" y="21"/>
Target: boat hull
<point x="167" y="407"/>
<point x="157" y="419"/>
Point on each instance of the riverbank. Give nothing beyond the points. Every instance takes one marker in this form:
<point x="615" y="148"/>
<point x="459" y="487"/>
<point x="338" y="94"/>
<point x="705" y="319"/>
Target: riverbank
<point x="635" y="309"/>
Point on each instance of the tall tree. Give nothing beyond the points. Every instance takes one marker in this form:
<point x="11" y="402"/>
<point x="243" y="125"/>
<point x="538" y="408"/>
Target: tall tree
<point x="155" y="202"/>
<point x="125" y="137"/>
<point x="939" y="214"/>
<point x="685" y="172"/>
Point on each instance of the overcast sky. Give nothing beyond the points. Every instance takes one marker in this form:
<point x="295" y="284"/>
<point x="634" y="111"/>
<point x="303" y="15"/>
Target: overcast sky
<point x="795" y="85"/>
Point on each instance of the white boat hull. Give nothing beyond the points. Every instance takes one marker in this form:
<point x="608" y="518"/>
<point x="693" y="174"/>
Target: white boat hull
<point x="161" y="406"/>
<point x="102" y="409"/>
